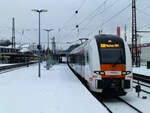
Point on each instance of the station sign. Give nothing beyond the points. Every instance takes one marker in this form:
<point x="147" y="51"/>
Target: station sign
<point x="109" y="45"/>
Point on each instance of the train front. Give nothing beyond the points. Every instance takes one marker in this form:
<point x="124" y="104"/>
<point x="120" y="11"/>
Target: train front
<point x="115" y="65"/>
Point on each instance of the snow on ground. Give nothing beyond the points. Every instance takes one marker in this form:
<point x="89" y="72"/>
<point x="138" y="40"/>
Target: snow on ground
<point x="139" y="102"/>
<point x="57" y="91"/>
<point x="132" y="98"/>
<point x="141" y="70"/>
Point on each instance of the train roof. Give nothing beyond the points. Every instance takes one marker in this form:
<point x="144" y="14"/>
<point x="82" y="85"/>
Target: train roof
<point x="105" y="37"/>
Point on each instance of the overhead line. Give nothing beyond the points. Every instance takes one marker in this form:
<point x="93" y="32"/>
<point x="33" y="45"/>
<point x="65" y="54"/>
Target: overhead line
<point x="93" y="12"/>
<point x="101" y="12"/>
<point x="82" y="4"/>
<point x="118" y="13"/>
<point x="66" y="22"/>
<point x="122" y="10"/>
<point x="107" y="7"/>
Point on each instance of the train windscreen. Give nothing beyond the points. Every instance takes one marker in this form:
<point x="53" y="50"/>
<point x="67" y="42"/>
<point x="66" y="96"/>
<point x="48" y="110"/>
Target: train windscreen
<point x="111" y="49"/>
<point x="112" y="56"/>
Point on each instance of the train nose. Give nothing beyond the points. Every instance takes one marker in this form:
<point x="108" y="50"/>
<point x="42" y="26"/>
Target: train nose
<point x="113" y="71"/>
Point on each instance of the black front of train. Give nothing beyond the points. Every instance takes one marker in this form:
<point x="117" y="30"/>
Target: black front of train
<point x="113" y="64"/>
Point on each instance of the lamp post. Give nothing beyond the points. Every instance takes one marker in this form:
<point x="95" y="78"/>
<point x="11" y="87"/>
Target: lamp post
<point x="48" y="30"/>
<point x="39" y="46"/>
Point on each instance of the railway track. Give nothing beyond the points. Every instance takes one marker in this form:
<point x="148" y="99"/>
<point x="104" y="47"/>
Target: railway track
<point x="133" y="107"/>
<point x="142" y="84"/>
<point x="4" y="69"/>
<point x="112" y="109"/>
<point x="141" y="77"/>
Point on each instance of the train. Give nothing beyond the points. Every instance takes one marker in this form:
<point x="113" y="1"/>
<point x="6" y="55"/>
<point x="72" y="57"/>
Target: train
<point x="104" y="62"/>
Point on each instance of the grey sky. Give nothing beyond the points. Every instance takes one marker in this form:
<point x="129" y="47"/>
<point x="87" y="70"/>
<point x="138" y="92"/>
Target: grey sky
<point x="61" y="11"/>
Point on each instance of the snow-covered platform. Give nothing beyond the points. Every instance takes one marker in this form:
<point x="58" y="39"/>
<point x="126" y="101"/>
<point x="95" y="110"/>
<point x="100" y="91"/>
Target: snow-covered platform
<point x="57" y="91"/>
<point x="141" y="70"/>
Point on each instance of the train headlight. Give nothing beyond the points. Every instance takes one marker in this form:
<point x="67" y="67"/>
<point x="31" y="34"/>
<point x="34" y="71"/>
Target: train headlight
<point x="126" y="72"/>
<point x="99" y="72"/>
<point x="102" y="73"/>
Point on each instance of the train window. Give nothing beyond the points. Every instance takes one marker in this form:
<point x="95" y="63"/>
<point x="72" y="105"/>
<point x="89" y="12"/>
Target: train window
<point x="82" y="59"/>
<point x="78" y="59"/>
<point x="2" y="50"/>
<point x="72" y="59"/>
<point x="112" y="56"/>
<point x="87" y="58"/>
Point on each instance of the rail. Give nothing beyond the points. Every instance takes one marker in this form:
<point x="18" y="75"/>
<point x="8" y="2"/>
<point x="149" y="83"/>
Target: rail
<point x="136" y="109"/>
<point x="4" y="68"/>
<point x="141" y="77"/>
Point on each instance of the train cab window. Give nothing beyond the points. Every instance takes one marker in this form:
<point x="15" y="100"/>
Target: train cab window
<point x="111" y="49"/>
<point x="112" y="56"/>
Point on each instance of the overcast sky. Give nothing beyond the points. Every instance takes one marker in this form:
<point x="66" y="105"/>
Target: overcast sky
<point x="92" y="16"/>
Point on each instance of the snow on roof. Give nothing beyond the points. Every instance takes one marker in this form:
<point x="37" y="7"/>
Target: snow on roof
<point x="24" y="50"/>
<point x="25" y="46"/>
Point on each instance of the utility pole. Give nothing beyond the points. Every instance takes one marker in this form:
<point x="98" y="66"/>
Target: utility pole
<point x="13" y="33"/>
<point x="125" y="34"/>
<point x="134" y="49"/>
<point x="53" y="45"/>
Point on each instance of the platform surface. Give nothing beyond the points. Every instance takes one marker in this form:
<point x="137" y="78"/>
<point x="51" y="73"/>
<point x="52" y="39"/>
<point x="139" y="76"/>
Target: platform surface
<point x="57" y="91"/>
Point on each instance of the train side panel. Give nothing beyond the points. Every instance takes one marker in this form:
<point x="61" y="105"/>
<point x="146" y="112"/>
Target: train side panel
<point x="94" y="65"/>
<point x="128" y="67"/>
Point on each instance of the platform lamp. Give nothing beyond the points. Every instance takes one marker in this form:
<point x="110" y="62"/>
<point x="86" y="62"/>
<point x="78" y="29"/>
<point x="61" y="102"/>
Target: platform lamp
<point x="39" y="46"/>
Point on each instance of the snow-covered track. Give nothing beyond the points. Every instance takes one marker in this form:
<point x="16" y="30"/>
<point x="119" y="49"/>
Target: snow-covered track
<point x="105" y="106"/>
<point x="142" y="84"/>
<point x="141" y="77"/>
<point x="122" y="100"/>
<point x="8" y="68"/>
